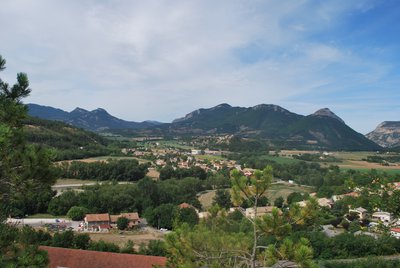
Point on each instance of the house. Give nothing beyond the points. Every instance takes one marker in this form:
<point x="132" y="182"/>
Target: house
<point x="97" y="222"/>
<point x="204" y="215"/>
<point x="261" y="211"/>
<point x="77" y="258"/>
<point x="196" y="152"/>
<point x="325" y="202"/>
<point x="382" y="216"/>
<point x="133" y="218"/>
<point x="395" y="232"/>
<point x="361" y="212"/>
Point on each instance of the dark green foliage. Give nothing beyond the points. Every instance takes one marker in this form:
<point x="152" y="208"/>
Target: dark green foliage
<point x="279" y="202"/>
<point x="237" y="144"/>
<point x="188" y="215"/>
<point x="153" y="248"/>
<point x="168" y="172"/>
<point x="66" y="141"/>
<point x="347" y="245"/>
<point x="77" y="213"/>
<point x="63" y="239"/>
<point x="222" y="198"/>
<point x="81" y="241"/>
<point x="273" y="124"/>
<point x="26" y="172"/>
<point x="103" y="246"/>
<point x="119" y="170"/>
<point x="161" y="216"/>
<point x="296" y="197"/>
<point x="371" y="262"/>
<point x="122" y="223"/>
<point x="114" y="198"/>
<point x="61" y="204"/>
<point x="128" y="248"/>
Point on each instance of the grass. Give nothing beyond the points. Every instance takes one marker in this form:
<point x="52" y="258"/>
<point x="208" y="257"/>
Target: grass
<point x="210" y="157"/>
<point x="105" y="158"/>
<point x="173" y="144"/>
<point x="284" y="189"/>
<point x="44" y="216"/>
<point x="276" y="190"/>
<point x="61" y="182"/>
<point x="280" y="159"/>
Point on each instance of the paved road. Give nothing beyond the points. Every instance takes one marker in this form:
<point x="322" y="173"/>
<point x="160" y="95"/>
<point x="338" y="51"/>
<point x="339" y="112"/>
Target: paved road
<point x="42" y="222"/>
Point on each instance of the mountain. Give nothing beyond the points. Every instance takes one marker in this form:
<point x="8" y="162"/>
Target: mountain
<point x="96" y="120"/>
<point x="386" y="134"/>
<point x="322" y="129"/>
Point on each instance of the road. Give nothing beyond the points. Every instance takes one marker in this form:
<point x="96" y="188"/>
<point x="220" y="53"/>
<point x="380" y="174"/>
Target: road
<point x="42" y="222"/>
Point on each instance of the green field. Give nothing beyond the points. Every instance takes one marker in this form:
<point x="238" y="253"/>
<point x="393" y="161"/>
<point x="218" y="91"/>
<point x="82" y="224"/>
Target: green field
<point x="210" y="157"/>
<point x="44" y="216"/>
<point x="173" y="144"/>
<point x="276" y="190"/>
<point x="280" y="159"/>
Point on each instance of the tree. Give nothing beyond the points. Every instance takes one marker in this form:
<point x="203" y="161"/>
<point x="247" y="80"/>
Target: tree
<point x="252" y="189"/>
<point x="188" y="215"/>
<point x="81" y="241"/>
<point x="222" y="198"/>
<point x="279" y="202"/>
<point x="122" y="223"/>
<point x="77" y="213"/>
<point x="26" y="171"/>
<point x="167" y="172"/>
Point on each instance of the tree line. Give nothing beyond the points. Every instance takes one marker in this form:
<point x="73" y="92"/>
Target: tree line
<point x="118" y="170"/>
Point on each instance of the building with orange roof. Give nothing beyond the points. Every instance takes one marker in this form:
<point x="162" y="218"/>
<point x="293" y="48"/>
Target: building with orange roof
<point x="77" y="258"/>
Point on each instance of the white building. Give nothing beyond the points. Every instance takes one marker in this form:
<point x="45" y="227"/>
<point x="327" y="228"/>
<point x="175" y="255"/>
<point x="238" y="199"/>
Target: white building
<point x="395" y="232"/>
<point x="382" y="216"/>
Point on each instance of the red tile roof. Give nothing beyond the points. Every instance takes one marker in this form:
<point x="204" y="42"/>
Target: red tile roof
<point x="133" y="216"/>
<point x="97" y="217"/>
<point x="76" y="258"/>
<point x="184" y="205"/>
<point x="396" y="230"/>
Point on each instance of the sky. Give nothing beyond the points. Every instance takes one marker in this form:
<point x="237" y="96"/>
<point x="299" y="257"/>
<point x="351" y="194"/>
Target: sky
<point x="159" y="60"/>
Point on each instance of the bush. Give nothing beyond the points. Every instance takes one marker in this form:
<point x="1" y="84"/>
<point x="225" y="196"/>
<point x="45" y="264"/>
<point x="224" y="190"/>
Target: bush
<point x="122" y="223"/>
<point x="77" y="213"/>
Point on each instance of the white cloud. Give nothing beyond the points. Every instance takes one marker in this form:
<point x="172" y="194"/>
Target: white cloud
<point x="161" y="59"/>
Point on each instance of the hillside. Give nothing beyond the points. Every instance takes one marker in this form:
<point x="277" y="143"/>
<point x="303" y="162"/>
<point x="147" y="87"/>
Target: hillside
<point x="67" y="142"/>
<point x="322" y="130"/>
<point x="97" y="120"/>
<point x="386" y="134"/>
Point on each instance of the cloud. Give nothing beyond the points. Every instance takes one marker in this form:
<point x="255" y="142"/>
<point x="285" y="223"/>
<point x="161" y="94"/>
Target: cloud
<point x="161" y="59"/>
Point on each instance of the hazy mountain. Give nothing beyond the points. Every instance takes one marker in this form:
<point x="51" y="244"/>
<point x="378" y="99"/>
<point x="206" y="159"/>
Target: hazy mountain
<point x="96" y="120"/>
<point x="323" y="129"/>
<point x="386" y="134"/>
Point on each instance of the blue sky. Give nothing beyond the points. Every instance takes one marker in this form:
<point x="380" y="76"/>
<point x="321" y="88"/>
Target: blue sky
<point x="158" y="60"/>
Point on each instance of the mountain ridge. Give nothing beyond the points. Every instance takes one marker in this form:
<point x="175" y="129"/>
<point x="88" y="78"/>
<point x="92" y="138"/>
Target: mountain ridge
<point x="96" y="120"/>
<point x="386" y="134"/>
<point x="272" y="123"/>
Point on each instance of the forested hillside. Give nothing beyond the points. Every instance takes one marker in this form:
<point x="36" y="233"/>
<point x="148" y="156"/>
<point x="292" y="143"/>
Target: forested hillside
<point x="67" y="142"/>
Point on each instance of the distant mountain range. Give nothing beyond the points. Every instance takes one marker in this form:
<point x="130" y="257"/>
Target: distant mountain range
<point x="322" y="129"/>
<point x="97" y="120"/>
<point x="386" y="134"/>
